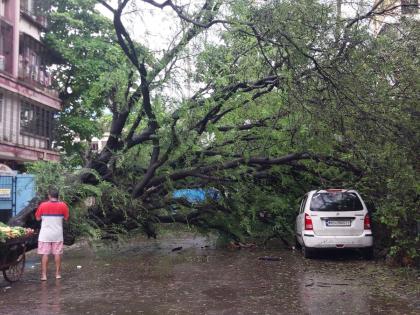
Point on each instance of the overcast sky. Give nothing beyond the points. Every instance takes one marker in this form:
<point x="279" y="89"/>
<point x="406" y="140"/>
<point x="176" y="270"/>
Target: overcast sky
<point x="156" y="28"/>
<point x="149" y="25"/>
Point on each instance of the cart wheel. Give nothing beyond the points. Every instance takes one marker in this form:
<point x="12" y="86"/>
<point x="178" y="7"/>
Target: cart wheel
<point x="15" y="270"/>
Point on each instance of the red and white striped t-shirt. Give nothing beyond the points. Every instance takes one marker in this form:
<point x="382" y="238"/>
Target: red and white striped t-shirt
<point x="52" y="214"/>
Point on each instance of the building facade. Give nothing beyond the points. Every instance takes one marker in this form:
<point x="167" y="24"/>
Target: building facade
<point x="27" y="101"/>
<point x="394" y="11"/>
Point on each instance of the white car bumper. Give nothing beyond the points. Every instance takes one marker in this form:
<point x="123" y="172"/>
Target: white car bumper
<point x="315" y="241"/>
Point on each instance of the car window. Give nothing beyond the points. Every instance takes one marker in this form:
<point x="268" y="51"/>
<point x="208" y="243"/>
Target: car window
<point x="336" y="201"/>
<point x="302" y="204"/>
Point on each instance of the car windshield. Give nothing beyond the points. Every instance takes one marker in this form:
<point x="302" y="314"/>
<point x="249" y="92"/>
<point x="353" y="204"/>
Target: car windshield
<point x="336" y="201"/>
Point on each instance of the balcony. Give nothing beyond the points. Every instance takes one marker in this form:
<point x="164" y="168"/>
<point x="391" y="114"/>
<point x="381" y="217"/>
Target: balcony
<point x="6" y="46"/>
<point x="34" y="74"/>
<point x="34" y="10"/>
<point x="33" y="66"/>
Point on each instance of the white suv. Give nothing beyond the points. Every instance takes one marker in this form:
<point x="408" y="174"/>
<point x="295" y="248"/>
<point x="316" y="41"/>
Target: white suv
<point x="333" y="218"/>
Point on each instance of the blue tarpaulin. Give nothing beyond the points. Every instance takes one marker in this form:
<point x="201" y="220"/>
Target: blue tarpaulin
<point x="197" y="195"/>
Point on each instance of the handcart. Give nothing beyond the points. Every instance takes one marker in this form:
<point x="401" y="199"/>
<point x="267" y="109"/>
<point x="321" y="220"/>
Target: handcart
<point x="12" y="257"/>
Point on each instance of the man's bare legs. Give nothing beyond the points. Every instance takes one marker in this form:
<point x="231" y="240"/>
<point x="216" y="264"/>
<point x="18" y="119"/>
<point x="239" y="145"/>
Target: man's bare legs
<point x="57" y="259"/>
<point x="44" y="266"/>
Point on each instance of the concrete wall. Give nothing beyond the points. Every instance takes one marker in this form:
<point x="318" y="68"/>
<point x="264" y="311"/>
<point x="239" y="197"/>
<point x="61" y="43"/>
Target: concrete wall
<point x="29" y="29"/>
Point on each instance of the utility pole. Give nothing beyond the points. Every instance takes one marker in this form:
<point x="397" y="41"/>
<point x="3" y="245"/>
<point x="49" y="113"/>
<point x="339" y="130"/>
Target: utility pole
<point x="338" y="19"/>
<point x="339" y="4"/>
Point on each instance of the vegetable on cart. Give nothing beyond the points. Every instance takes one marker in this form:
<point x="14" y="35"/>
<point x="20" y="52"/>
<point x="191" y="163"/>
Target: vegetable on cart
<point x="12" y="250"/>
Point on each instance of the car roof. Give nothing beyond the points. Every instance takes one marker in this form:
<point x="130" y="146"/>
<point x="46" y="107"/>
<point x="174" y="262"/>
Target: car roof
<point x="333" y="190"/>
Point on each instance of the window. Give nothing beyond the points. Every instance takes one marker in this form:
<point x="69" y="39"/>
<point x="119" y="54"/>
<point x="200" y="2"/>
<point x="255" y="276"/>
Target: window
<point x="2" y="7"/>
<point x="6" y="46"/>
<point x="409" y="6"/>
<point x="32" y="64"/>
<point x="35" y="120"/>
<point x="302" y="204"/>
<point x="27" y="6"/>
<point x="35" y="9"/>
<point x="337" y="201"/>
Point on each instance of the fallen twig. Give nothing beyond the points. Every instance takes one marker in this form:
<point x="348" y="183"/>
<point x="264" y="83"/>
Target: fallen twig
<point x="270" y="258"/>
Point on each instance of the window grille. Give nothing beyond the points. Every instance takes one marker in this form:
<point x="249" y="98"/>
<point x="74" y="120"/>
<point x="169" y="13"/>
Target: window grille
<point x="35" y="120"/>
<point x="36" y="10"/>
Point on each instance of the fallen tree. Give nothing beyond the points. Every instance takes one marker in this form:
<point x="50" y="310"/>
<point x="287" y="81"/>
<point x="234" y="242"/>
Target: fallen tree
<point x="272" y="99"/>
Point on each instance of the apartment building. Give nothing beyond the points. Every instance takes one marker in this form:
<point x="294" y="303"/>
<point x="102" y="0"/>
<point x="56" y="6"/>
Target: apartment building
<point x="27" y="101"/>
<point x="394" y="11"/>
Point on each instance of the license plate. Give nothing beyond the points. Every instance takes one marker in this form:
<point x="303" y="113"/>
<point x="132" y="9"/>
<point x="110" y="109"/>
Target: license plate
<point x="338" y="223"/>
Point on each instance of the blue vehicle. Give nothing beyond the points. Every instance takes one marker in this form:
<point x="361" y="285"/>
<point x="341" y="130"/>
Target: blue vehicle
<point x="16" y="191"/>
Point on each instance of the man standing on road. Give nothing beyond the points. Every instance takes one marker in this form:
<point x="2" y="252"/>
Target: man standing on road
<point x="50" y="240"/>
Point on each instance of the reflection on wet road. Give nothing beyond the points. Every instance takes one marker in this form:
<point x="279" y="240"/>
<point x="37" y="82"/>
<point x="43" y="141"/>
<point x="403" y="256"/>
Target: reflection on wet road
<point x="149" y="278"/>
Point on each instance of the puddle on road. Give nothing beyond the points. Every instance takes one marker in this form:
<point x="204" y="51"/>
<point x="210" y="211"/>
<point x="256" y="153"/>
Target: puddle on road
<point x="147" y="277"/>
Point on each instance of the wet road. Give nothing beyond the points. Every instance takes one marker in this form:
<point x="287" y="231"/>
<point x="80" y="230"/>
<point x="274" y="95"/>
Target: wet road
<point x="147" y="277"/>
